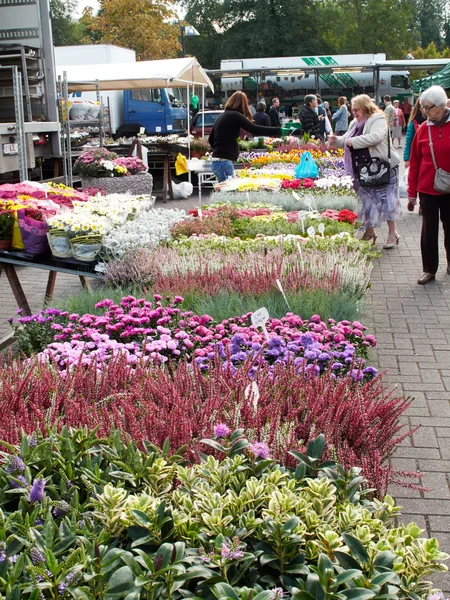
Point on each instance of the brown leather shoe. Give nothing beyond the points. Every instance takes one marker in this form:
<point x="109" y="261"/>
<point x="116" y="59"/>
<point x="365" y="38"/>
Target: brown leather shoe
<point x="426" y="278"/>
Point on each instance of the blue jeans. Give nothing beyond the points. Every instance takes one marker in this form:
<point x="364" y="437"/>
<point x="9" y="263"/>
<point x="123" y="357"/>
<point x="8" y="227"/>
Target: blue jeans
<point x="222" y="169"/>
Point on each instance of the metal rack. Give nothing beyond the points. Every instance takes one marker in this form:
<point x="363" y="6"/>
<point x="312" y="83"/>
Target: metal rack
<point x="67" y="124"/>
<point x="17" y="128"/>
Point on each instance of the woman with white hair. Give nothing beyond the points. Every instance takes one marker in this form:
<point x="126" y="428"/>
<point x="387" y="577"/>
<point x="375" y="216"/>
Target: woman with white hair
<point x="429" y="176"/>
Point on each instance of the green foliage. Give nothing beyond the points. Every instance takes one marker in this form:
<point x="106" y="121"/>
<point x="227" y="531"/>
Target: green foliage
<point x="65" y="30"/>
<point x="116" y="521"/>
<point x="339" y="305"/>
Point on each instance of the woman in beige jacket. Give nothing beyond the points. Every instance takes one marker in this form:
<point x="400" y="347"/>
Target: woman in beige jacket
<point x="368" y="138"/>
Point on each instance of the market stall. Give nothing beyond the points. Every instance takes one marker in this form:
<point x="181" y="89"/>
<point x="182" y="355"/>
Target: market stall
<point x="179" y="72"/>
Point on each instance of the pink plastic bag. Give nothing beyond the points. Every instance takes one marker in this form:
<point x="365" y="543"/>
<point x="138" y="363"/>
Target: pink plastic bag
<point x="34" y="234"/>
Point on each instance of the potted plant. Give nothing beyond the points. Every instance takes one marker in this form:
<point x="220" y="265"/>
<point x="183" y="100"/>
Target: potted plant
<point x="6" y="228"/>
<point x="102" y="169"/>
<point x="199" y="147"/>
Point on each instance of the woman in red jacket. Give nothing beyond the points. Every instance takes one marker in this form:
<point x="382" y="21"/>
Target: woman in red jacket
<point x="434" y="135"/>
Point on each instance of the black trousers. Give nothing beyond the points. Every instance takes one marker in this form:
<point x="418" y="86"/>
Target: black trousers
<point x="434" y="207"/>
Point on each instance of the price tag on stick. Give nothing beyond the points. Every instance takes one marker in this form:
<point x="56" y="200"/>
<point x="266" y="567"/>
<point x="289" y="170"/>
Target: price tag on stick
<point x="252" y="392"/>
<point x="311" y="232"/>
<point x="259" y="319"/>
<point x="280" y="287"/>
<point x="200" y="214"/>
<point x="321" y="229"/>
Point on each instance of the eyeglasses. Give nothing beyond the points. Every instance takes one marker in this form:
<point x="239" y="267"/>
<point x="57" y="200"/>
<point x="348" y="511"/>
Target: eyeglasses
<point x="427" y="108"/>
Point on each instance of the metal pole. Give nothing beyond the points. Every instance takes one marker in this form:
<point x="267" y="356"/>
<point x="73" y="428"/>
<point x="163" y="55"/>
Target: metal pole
<point x="25" y="84"/>
<point x="62" y="121"/>
<point x="67" y="127"/>
<point x="377" y="84"/>
<point x="316" y="80"/>
<point x="203" y="111"/>
<point x="20" y="136"/>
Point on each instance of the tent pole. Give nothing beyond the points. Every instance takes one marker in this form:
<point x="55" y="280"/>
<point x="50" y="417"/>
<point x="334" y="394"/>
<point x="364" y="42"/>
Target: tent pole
<point x="188" y="128"/>
<point x="203" y="111"/>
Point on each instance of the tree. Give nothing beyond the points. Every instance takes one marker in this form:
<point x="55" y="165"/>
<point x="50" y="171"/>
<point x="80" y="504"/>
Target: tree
<point x="430" y="22"/>
<point x="141" y="25"/>
<point x="65" y="30"/>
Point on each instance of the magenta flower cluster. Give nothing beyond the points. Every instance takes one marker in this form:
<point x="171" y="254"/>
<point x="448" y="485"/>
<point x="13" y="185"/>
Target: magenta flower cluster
<point x="152" y="332"/>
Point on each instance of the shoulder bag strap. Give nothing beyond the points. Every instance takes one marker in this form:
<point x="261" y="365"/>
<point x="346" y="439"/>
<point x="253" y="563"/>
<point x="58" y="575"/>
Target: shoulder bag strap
<point x="431" y="146"/>
<point x="389" y="145"/>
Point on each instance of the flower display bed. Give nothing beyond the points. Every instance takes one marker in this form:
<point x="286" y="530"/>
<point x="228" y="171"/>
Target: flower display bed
<point x="157" y="450"/>
<point x="142" y="183"/>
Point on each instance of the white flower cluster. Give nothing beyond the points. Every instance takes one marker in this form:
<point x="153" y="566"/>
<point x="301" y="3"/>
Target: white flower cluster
<point x="335" y="182"/>
<point x="150" y="228"/>
<point x="101" y="213"/>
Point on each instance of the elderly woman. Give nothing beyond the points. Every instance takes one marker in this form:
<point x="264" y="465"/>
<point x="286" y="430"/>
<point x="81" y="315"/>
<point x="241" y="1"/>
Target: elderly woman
<point x="367" y="138"/>
<point x="430" y="151"/>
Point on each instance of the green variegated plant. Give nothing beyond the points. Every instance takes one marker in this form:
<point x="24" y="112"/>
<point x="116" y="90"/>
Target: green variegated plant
<point x="104" y="519"/>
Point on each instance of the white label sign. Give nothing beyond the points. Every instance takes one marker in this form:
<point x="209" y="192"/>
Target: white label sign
<point x="321" y="228"/>
<point x="158" y="129"/>
<point x="280" y="287"/>
<point x="169" y="127"/>
<point x="296" y="196"/>
<point x="311" y="231"/>
<point x="260" y="318"/>
<point x="142" y="131"/>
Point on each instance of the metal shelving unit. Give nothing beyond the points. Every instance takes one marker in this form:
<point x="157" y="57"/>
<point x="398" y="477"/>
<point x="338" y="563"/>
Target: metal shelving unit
<point x="67" y="124"/>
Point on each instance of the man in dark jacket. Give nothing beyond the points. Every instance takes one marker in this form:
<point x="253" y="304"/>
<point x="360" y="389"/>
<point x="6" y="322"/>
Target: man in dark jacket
<point x="321" y="113"/>
<point x="309" y="118"/>
<point x="273" y="113"/>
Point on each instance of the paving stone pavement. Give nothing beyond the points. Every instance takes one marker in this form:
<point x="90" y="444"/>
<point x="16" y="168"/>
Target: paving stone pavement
<point x="411" y="323"/>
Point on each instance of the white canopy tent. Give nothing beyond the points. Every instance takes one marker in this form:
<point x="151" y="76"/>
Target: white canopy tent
<point x="173" y="72"/>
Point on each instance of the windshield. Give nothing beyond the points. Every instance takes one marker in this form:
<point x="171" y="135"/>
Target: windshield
<point x="175" y="96"/>
<point x="210" y="119"/>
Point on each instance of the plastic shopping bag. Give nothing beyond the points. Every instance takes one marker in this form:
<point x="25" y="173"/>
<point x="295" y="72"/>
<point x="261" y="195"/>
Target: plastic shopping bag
<point x="180" y="165"/>
<point x="403" y="187"/>
<point x="182" y="190"/>
<point x="307" y="169"/>
<point x="34" y="234"/>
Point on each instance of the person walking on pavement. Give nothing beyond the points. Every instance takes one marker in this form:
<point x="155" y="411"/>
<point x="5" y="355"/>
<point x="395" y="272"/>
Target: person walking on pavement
<point x="261" y="117"/>
<point x="223" y="138"/>
<point x="430" y="156"/>
<point x="389" y="110"/>
<point x="368" y="138"/>
<point x="416" y="118"/>
<point x="399" y="123"/>
<point x="309" y="118"/>
<point x="274" y="114"/>
<point x="406" y="109"/>
<point x="322" y="114"/>
<point x="340" y="117"/>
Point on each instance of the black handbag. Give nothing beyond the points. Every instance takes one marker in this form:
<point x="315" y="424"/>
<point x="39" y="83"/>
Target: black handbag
<point x="374" y="172"/>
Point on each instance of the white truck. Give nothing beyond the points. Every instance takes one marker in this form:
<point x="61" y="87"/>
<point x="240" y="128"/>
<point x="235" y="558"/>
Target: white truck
<point x="29" y="124"/>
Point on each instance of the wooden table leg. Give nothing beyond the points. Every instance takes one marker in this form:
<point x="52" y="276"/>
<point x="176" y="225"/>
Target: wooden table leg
<point x="86" y="283"/>
<point x="17" y="289"/>
<point x="50" y="287"/>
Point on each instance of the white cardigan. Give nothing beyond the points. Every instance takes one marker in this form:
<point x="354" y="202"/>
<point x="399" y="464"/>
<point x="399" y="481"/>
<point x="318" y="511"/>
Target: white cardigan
<point x="374" y="137"/>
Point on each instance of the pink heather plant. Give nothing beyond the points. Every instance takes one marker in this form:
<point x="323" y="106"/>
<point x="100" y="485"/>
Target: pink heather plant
<point x="360" y="422"/>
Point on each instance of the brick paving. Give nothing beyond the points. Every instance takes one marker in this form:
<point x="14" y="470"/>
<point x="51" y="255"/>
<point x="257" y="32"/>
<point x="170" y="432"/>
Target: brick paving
<point x="411" y="323"/>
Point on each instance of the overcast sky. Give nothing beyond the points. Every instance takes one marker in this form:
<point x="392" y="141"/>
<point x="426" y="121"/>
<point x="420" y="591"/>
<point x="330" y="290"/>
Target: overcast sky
<point x="82" y="5"/>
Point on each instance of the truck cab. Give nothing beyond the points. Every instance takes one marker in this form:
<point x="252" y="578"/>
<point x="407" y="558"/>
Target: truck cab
<point x="158" y="110"/>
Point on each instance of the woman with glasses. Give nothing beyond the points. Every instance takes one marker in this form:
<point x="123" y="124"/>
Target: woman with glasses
<point x="367" y="138"/>
<point x="431" y="151"/>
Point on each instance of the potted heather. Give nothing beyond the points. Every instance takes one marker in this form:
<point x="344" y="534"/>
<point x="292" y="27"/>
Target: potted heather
<point x="6" y="228"/>
<point x="105" y="170"/>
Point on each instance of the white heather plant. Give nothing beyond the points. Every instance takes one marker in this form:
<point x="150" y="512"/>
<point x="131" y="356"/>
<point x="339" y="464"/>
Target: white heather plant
<point x="285" y="199"/>
<point x="148" y="229"/>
